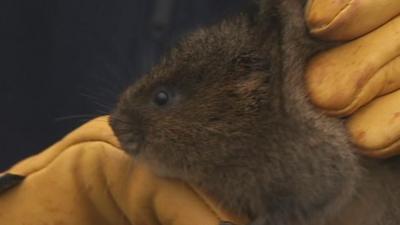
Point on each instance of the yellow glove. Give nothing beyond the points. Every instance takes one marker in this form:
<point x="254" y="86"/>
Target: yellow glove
<point x="361" y="78"/>
<point x="86" y="179"/>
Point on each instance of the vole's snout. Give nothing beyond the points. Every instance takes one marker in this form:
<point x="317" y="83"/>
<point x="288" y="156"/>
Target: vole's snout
<point x="128" y="133"/>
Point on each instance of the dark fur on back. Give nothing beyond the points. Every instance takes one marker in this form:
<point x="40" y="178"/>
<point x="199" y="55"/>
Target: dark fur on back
<point x="239" y="126"/>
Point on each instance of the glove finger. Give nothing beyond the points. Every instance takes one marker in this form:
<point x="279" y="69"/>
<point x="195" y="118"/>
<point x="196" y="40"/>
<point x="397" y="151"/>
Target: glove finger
<point x="345" y="78"/>
<point x="96" y="129"/>
<point x="375" y="128"/>
<point x="348" y="19"/>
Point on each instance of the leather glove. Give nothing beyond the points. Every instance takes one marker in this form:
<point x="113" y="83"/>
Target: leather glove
<point x="359" y="79"/>
<point x="86" y="179"/>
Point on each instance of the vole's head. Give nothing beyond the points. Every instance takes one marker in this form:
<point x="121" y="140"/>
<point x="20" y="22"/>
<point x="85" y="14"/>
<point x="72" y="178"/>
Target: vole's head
<point x="208" y="96"/>
<point x="214" y="113"/>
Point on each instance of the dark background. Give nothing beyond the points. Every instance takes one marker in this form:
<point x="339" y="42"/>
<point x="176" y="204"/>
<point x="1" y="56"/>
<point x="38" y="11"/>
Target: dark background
<point x="63" y="62"/>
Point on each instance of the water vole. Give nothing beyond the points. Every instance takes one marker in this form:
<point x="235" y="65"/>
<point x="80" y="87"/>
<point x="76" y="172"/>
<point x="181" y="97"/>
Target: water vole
<point x="227" y="111"/>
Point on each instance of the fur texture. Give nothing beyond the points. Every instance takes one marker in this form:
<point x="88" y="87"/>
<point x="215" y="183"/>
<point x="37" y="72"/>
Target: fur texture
<point x="237" y="123"/>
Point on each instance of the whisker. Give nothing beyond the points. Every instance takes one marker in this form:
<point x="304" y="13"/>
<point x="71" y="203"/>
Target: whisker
<point x="71" y="117"/>
<point x="96" y="101"/>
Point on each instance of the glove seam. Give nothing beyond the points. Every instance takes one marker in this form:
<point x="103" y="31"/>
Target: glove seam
<point x="204" y="201"/>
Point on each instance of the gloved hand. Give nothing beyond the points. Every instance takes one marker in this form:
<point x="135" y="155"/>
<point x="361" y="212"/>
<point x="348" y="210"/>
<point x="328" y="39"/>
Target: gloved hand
<point x="86" y="179"/>
<point x="361" y="78"/>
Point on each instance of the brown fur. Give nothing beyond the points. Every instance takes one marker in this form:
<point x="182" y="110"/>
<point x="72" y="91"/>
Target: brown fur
<point x="239" y="126"/>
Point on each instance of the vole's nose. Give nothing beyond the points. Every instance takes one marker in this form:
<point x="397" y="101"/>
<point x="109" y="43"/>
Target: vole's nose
<point x="128" y="133"/>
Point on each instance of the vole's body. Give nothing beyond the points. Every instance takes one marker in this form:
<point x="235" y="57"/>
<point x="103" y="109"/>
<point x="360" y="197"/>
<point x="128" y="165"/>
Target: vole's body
<point x="237" y="124"/>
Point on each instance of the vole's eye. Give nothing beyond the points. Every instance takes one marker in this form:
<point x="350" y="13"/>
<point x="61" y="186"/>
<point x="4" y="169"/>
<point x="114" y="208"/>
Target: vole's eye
<point x="161" y="98"/>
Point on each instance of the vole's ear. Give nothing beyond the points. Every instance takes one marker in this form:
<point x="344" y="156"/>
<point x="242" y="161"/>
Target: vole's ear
<point x="268" y="12"/>
<point x="288" y="17"/>
<point x="267" y="8"/>
<point x="267" y="5"/>
<point x="272" y="11"/>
